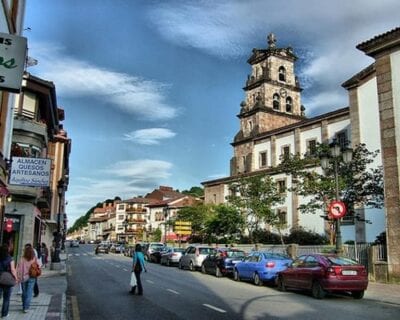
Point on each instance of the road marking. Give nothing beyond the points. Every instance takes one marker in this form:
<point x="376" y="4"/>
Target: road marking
<point x="173" y="291"/>
<point x="75" y="308"/>
<point x="125" y="269"/>
<point x="117" y="266"/>
<point x="214" y="308"/>
<point x="149" y="281"/>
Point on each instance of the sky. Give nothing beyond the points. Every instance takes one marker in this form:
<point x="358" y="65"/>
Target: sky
<point x="151" y="89"/>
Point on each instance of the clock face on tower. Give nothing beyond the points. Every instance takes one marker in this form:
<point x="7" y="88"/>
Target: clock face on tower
<point x="282" y="92"/>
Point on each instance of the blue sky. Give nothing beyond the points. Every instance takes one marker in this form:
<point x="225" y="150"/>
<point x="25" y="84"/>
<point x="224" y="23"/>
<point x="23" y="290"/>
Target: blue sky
<point x="151" y="89"/>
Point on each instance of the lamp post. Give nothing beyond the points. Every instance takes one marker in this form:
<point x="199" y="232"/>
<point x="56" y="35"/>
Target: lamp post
<point x="334" y="157"/>
<point x="57" y="234"/>
<point x="125" y="224"/>
<point x="165" y="209"/>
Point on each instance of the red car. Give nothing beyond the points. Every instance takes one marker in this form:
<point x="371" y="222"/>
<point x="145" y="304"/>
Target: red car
<point x="323" y="273"/>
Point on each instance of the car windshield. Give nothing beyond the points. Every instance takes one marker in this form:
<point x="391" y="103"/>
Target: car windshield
<point x="235" y="254"/>
<point x="206" y="250"/>
<point x="178" y="250"/>
<point x="157" y="246"/>
<point x="277" y="256"/>
<point x="342" y="261"/>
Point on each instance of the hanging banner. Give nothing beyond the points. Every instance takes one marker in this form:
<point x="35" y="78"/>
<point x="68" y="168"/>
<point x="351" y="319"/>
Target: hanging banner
<point x="33" y="172"/>
<point x="12" y="61"/>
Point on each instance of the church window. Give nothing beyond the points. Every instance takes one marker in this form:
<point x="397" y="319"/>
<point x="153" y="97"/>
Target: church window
<point x="341" y="139"/>
<point x="263" y="159"/>
<point x="281" y="186"/>
<point x="312" y="148"/>
<point x="289" y="104"/>
<point x="250" y="126"/>
<point x="282" y="74"/>
<point x="282" y="216"/>
<point x="276" y="102"/>
<point x="285" y="152"/>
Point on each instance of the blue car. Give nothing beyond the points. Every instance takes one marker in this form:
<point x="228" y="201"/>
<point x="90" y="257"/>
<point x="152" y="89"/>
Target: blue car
<point x="261" y="267"/>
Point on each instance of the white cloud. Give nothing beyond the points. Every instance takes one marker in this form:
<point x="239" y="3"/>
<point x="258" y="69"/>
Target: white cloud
<point x="150" y="136"/>
<point x="125" y="179"/>
<point x="323" y="33"/>
<point x="76" y="78"/>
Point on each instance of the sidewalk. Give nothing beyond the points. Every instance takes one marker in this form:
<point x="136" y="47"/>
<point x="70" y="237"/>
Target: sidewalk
<point x="383" y="292"/>
<point x="51" y="302"/>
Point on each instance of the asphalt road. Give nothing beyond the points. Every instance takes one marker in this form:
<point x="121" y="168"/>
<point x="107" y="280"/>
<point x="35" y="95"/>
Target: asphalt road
<point x="100" y="283"/>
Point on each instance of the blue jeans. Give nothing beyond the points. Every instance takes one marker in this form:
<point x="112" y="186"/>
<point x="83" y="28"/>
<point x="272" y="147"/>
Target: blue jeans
<point x="27" y="292"/>
<point x="6" y="299"/>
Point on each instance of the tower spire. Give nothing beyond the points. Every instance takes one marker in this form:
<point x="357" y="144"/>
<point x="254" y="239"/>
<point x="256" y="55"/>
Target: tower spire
<point x="271" y="40"/>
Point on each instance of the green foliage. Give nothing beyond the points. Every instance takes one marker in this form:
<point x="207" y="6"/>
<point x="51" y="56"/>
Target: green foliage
<point x="358" y="184"/>
<point x="304" y="237"/>
<point x="254" y="197"/>
<point x="156" y="235"/>
<point x="194" y="192"/>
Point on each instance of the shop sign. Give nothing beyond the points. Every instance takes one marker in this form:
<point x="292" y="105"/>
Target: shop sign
<point x="12" y="61"/>
<point x="33" y="172"/>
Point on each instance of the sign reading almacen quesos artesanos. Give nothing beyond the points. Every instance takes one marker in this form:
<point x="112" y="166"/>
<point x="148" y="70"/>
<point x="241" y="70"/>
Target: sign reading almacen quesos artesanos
<point x="12" y="61"/>
<point x="33" y="172"/>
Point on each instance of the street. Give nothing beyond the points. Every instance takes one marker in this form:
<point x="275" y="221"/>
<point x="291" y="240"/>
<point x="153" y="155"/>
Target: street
<point x="100" y="283"/>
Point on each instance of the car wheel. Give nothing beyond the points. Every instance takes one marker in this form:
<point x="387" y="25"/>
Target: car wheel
<point x="218" y="272"/>
<point x="256" y="279"/>
<point x="317" y="291"/>
<point x="281" y="284"/>
<point x="236" y="276"/>
<point x="357" y="294"/>
<point x="191" y="266"/>
<point x="203" y="269"/>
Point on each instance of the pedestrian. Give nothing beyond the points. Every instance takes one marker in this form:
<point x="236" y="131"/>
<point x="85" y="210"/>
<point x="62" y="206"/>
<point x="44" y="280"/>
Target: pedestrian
<point x="45" y="255"/>
<point x="137" y="267"/>
<point x="6" y="264"/>
<point x="26" y="280"/>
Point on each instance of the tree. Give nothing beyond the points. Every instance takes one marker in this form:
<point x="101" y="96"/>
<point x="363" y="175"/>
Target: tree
<point x="359" y="183"/>
<point x="255" y="197"/>
<point x="194" y="191"/>
<point x="197" y="215"/>
<point x="225" y="223"/>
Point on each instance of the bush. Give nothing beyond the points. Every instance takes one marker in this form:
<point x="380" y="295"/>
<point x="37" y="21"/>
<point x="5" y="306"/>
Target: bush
<point x="304" y="237"/>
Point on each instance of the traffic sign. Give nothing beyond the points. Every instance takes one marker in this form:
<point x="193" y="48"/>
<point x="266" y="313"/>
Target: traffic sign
<point x="337" y="209"/>
<point x="182" y="232"/>
<point x="183" y="223"/>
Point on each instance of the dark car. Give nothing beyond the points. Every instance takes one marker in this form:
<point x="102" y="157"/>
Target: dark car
<point x="321" y="274"/>
<point x="102" y="248"/>
<point x="261" y="267"/>
<point x="151" y="247"/>
<point x="155" y="255"/>
<point x="222" y="262"/>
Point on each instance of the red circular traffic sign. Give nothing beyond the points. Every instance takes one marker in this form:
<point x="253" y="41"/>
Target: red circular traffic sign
<point x="337" y="209"/>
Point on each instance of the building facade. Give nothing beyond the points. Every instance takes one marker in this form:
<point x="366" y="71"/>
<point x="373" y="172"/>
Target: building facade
<point x="272" y="125"/>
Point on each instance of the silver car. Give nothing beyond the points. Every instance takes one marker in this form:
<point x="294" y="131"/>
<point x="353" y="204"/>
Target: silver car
<point x="171" y="256"/>
<point x="193" y="256"/>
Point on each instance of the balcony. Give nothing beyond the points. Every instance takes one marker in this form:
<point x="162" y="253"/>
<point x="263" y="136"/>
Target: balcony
<point x="135" y="210"/>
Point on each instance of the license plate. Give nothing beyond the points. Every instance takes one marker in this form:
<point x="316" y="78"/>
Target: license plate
<point x="349" y="272"/>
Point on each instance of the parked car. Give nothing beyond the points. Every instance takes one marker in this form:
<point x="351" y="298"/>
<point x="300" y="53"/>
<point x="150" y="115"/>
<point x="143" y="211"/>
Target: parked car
<point x="117" y="248"/>
<point x="74" y="243"/>
<point x="128" y="252"/>
<point x="322" y="273"/>
<point x="151" y="247"/>
<point x="261" y="267"/>
<point x="171" y="256"/>
<point x="194" y="256"/>
<point x="222" y="261"/>
<point x="155" y="256"/>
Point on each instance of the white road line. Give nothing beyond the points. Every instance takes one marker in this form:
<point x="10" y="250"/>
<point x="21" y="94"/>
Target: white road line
<point x="117" y="266"/>
<point x="125" y="269"/>
<point x="173" y="291"/>
<point x="214" y="308"/>
<point x="149" y="281"/>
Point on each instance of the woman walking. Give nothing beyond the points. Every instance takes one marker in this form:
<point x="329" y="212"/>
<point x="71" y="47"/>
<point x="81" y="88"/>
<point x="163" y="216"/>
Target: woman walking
<point x="45" y="255"/>
<point x="27" y="282"/>
<point x="6" y="264"/>
<point x="137" y="267"/>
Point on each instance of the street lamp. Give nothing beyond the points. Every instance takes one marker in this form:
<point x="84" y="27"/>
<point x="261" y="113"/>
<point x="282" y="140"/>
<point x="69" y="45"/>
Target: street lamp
<point x="57" y="234"/>
<point x="334" y="158"/>
<point x="165" y="210"/>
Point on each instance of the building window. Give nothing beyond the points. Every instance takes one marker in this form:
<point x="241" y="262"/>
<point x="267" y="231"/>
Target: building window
<point x="285" y="154"/>
<point x="121" y="207"/>
<point x="289" y="104"/>
<point x="281" y="186"/>
<point x="121" y="217"/>
<point x="276" y="102"/>
<point x="282" y="73"/>
<point x="341" y="139"/>
<point x="312" y="148"/>
<point x="282" y="216"/>
<point x="263" y="159"/>
<point x="25" y="150"/>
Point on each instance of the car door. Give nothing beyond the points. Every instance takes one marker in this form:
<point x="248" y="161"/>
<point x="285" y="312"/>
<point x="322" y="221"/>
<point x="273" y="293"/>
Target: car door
<point x="292" y="273"/>
<point x="186" y="257"/>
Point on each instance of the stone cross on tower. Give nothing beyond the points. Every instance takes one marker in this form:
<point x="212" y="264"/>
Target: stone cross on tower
<point x="271" y="40"/>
